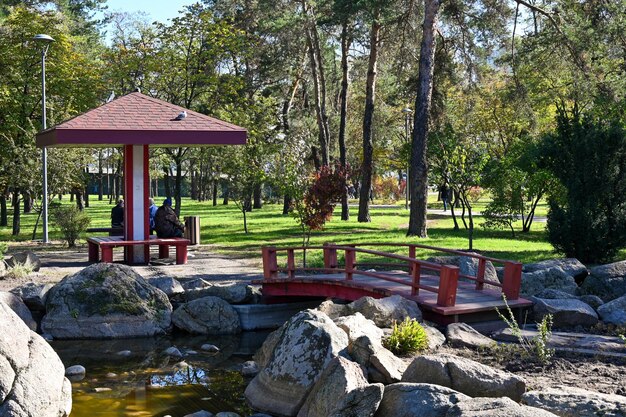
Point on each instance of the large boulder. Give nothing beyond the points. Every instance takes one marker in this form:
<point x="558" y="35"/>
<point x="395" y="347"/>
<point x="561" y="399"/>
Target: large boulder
<point x="357" y="325"/>
<point x="464" y="375"/>
<point x="464" y="335"/>
<point x="418" y="400"/>
<point x="19" y="308"/>
<point x="234" y="293"/>
<point x="25" y="258"/>
<point x="495" y="407"/>
<point x="534" y="283"/>
<point x="342" y="391"/>
<point x="208" y="315"/>
<point x="34" y="295"/>
<point x="571" y="266"/>
<point x="614" y="312"/>
<point x="334" y="310"/>
<point x="307" y="344"/>
<point x="106" y="301"/>
<point x="32" y="377"/>
<point x="574" y="402"/>
<point x="565" y="312"/>
<point x="384" y="311"/>
<point x="606" y="281"/>
<point x="170" y="286"/>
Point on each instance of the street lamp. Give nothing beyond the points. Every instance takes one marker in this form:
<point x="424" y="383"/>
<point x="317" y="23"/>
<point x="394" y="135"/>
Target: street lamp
<point x="45" y="41"/>
<point x="407" y="115"/>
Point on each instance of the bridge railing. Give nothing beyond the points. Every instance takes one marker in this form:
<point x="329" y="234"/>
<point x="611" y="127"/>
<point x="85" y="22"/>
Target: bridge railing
<point x="448" y="274"/>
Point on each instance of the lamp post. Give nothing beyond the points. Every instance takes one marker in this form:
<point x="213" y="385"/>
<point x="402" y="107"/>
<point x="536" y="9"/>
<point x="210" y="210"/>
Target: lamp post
<point x="45" y="41"/>
<point x="407" y="115"/>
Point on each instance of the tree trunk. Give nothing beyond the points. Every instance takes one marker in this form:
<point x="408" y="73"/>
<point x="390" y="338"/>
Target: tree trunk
<point x="419" y="141"/>
<point x="79" y="199"/>
<point x="368" y="116"/>
<point x="100" y="179"/>
<point x="28" y="202"/>
<point x="178" y="186"/>
<point x="16" y="212"/>
<point x="214" y="191"/>
<point x="166" y="181"/>
<point x="346" y="40"/>
<point x="319" y="81"/>
<point x="286" y="204"/>
<point x="4" y="218"/>
<point x="194" y="181"/>
<point x="86" y="197"/>
<point x="258" y="196"/>
<point x="225" y="191"/>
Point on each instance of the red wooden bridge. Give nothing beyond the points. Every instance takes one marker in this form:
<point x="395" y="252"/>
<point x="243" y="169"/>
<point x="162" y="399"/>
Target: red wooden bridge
<point x="442" y="297"/>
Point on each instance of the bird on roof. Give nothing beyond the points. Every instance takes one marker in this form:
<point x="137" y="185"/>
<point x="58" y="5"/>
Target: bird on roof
<point x="181" y="115"/>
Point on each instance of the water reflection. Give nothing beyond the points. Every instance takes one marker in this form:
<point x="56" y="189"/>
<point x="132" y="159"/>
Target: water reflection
<point x="148" y="383"/>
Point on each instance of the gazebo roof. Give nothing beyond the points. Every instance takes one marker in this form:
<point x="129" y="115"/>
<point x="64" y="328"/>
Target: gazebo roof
<point x="137" y="119"/>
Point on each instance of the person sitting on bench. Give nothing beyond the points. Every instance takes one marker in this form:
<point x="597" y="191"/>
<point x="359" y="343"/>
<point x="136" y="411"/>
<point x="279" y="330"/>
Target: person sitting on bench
<point x="166" y="222"/>
<point x="117" y="215"/>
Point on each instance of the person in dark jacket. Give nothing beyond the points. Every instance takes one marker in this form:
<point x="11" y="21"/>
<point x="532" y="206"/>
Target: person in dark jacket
<point x="117" y="214"/>
<point x="166" y="222"/>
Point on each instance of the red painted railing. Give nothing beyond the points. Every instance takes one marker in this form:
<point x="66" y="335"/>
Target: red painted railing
<point x="448" y="274"/>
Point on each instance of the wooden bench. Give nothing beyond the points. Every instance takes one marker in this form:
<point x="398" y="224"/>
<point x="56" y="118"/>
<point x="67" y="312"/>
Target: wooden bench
<point x="112" y="231"/>
<point x="106" y="245"/>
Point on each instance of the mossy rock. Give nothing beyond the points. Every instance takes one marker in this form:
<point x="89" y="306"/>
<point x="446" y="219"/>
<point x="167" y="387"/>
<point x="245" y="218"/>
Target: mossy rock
<point x="106" y="301"/>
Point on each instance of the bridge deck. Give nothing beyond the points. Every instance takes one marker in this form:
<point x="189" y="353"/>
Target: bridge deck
<point x="471" y="304"/>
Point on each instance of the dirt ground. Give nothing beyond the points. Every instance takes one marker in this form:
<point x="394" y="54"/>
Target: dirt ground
<point x="600" y="373"/>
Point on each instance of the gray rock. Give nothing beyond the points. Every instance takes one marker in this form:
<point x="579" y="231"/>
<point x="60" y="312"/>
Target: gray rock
<point x="464" y="375"/>
<point x="571" y="266"/>
<point x="260" y="415"/>
<point x="467" y="266"/>
<point x="264" y="354"/>
<point x="173" y="352"/>
<point x="606" y="281"/>
<point x="389" y="366"/>
<point x="32" y="377"/>
<point x="3" y="268"/>
<point x="334" y="310"/>
<point x="357" y="325"/>
<point x="552" y="294"/>
<point x="249" y="369"/>
<point x="342" y="391"/>
<point x="307" y="344"/>
<point x="614" y="312"/>
<point x="384" y="311"/>
<point x="210" y="348"/>
<point x="436" y="339"/>
<point x="236" y="293"/>
<point x="106" y="301"/>
<point x="464" y="335"/>
<point x="574" y="402"/>
<point x="195" y="284"/>
<point x="494" y="407"/>
<point x="362" y="348"/>
<point x="593" y="300"/>
<point x="208" y="315"/>
<point x="534" y="283"/>
<point x="23" y="258"/>
<point x="201" y="413"/>
<point x="227" y="414"/>
<point x="124" y="353"/>
<point x="75" y="370"/>
<point x="17" y="305"/>
<point x="418" y="400"/>
<point x="170" y="286"/>
<point x="33" y="295"/>
<point x="565" y="313"/>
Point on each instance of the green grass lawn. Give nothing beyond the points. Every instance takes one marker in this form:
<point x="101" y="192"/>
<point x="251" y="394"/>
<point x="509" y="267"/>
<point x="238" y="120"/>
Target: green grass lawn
<point x="222" y="228"/>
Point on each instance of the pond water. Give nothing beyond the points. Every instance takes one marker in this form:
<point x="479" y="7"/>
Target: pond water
<point x="148" y="383"/>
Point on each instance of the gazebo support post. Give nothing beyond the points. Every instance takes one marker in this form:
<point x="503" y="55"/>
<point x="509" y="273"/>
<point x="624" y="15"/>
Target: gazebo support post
<point x="136" y="190"/>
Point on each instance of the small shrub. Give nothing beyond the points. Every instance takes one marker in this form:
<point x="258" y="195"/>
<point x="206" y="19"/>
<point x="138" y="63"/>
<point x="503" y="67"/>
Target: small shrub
<point x="19" y="270"/>
<point x="407" y="337"/>
<point x="71" y="221"/>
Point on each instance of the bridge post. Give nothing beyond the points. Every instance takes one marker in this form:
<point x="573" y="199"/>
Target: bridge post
<point x="480" y="274"/>
<point x="270" y="264"/>
<point x="415" y="270"/>
<point x="512" y="280"/>
<point x="350" y="258"/>
<point x="447" y="286"/>
<point x="330" y="256"/>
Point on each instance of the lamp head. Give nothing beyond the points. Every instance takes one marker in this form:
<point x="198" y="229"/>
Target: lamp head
<point x="43" y="38"/>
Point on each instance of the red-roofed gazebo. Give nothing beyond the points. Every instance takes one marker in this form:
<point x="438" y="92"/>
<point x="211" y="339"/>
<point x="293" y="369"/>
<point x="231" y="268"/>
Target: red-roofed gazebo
<point x="136" y="121"/>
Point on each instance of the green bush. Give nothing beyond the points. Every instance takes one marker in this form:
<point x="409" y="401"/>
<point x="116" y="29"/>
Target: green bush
<point x="71" y="221"/>
<point x="407" y="337"/>
<point x="587" y="217"/>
